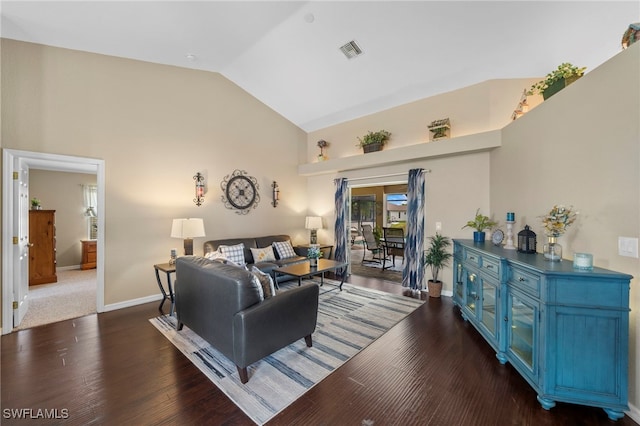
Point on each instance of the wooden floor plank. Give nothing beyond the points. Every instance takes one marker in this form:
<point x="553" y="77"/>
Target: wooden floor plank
<point x="116" y="368"/>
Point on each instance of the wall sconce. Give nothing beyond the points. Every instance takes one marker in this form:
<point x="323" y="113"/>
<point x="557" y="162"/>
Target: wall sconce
<point x="187" y="229"/>
<point x="199" y="189"/>
<point x="313" y="223"/>
<point x="275" y="194"/>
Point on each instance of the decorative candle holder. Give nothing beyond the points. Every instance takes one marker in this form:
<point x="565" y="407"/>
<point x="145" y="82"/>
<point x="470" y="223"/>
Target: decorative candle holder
<point x="583" y="261"/>
<point x="509" y="245"/>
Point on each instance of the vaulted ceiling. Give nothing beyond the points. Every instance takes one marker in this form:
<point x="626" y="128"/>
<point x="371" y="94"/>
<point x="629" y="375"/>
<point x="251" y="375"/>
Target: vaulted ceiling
<point x="287" y="53"/>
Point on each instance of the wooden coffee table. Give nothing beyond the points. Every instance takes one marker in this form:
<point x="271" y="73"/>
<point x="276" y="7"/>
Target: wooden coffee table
<point x="303" y="269"/>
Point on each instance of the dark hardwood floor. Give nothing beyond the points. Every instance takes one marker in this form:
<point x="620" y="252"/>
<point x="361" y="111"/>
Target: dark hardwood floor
<point x="115" y="368"/>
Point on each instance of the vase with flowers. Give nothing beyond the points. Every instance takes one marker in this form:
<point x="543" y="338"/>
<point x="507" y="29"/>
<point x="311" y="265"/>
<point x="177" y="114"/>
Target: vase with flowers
<point x="555" y="224"/>
<point x="313" y="254"/>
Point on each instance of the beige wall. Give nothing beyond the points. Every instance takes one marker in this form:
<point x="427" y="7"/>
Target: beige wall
<point x="456" y="186"/>
<point x="63" y="193"/>
<point x="474" y="109"/>
<point x="582" y="148"/>
<point x="154" y="126"/>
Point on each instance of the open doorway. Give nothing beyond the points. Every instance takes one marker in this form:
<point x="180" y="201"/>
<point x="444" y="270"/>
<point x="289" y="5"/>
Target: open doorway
<point x="378" y="207"/>
<point x="65" y="199"/>
<point x="14" y="216"/>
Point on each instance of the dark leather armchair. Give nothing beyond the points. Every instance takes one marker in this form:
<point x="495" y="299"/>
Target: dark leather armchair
<point x="221" y="304"/>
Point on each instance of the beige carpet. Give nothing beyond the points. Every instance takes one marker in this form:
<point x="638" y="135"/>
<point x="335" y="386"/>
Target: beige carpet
<point x="73" y="296"/>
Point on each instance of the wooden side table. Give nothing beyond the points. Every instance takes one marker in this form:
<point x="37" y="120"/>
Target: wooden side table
<point x="167" y="269"/>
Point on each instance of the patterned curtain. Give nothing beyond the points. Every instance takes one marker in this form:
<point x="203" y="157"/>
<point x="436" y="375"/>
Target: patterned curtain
<point x="413" y="269"/>
<point x="340" y="229"/>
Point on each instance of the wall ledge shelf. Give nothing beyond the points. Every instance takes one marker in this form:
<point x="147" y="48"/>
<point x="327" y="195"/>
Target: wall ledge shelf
<point x="467" y="144"/>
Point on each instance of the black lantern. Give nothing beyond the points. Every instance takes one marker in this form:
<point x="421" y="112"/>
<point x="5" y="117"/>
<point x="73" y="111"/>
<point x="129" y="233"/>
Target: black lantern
<point x="526" y="240"/>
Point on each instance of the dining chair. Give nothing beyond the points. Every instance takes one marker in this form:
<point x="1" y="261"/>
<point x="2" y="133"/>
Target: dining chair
<point x="393" y="241"/>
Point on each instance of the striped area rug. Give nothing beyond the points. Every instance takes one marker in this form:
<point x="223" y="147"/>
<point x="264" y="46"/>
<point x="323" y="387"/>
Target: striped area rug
<point x="348" y="321"/>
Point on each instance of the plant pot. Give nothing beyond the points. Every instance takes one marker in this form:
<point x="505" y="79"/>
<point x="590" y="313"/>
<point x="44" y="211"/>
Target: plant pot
<point x="558" y="86"/>
<point x="435" y="288"/>
<point x="313" y="262"/>
<point x="478" y="237"/>
<point x="372" y="147"/>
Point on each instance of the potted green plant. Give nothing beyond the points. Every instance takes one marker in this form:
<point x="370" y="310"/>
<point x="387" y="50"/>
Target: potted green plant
<point x="35" y="204"/>
<point x="313" y="254"/>
<point x="557" y="80"/>
<point x="436" y="257"/>
<point x="480" y="222"/>
<point x="374" y="141"/>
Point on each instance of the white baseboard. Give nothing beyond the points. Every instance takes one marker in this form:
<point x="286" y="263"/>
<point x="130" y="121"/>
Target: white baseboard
<point x="67" y="268"/>
<point x="132" y="302"/>
<point x="634" y="413"/>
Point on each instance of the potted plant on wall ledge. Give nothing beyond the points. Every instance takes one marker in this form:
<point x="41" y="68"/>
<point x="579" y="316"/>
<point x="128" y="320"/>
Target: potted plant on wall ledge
<point x="480" y="223"/>
<point x="374" y="141"/>
<point x="436" y="257"/>
<point x="557" y="80"/>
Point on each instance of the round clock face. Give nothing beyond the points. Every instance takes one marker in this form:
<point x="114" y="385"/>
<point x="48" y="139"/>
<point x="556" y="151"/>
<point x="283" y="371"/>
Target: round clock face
<point x="241" y="192"/>
<point x="497" y="237"/>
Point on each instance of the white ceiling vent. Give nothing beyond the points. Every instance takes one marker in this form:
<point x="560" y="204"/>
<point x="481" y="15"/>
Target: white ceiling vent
<point x="351" y="50"/>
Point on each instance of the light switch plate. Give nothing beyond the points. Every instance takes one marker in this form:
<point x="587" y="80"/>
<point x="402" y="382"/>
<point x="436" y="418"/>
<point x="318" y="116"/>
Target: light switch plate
<point x="628" y="247"/>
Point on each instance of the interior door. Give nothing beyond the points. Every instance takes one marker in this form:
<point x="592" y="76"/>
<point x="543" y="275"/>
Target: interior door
<point x="21" y="231"/>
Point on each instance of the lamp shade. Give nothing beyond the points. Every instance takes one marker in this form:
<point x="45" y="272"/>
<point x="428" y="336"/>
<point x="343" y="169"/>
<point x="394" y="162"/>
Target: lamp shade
<point x="187" y="228"/>
<point x="313" y="222"/>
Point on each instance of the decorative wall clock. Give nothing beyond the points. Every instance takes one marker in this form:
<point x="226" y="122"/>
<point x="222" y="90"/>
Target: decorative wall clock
<point x="240" y="192"/>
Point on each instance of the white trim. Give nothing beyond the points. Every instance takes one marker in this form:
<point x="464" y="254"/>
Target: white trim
<point x="44" y="161"/>
<point x="132" y="302"/>
<point x="68" y="268"/>
<point x="633" y="413"/>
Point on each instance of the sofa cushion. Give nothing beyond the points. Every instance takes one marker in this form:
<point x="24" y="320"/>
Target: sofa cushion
<point x="284" y="249"/>
<point x="213" y="245"/>
<point x="234" y="253"/>
<point x="266" y="283"/>
<point x="264" y="254"/>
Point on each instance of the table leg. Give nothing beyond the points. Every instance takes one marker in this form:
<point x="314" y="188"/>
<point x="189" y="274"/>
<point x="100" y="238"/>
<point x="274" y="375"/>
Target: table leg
<point x="164" y="293"/>
<point x="171" y="295"/>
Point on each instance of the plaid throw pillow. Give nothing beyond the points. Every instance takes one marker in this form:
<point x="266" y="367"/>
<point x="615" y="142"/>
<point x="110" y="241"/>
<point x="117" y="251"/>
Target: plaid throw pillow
<point x="233" y="254"/>
<point x="284" y="249"/>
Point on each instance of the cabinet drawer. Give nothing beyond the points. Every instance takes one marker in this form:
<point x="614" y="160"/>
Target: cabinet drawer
<point x="473" y="258"/>
<point x="491" y="266"/>
<point x="524" y="280"/>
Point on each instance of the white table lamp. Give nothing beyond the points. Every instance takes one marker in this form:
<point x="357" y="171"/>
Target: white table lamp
<point x="313" y="223"/>
<point x="187" y="229"/>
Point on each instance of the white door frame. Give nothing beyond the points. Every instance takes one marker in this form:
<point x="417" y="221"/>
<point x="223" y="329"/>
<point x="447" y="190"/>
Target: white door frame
<point x="43" y="161"/>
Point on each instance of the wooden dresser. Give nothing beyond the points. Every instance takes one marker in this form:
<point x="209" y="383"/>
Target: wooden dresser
<point x="42" y="252"/>
<point x="89" y="253"/>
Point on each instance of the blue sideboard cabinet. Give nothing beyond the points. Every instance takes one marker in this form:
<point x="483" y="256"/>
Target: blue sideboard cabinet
<point x="565" y="331"/>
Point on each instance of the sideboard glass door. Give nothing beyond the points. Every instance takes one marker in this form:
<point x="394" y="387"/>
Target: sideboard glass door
<point x="522" y="333"/>
<point x="472" y="292"/>
<point x="488" y="307"/>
